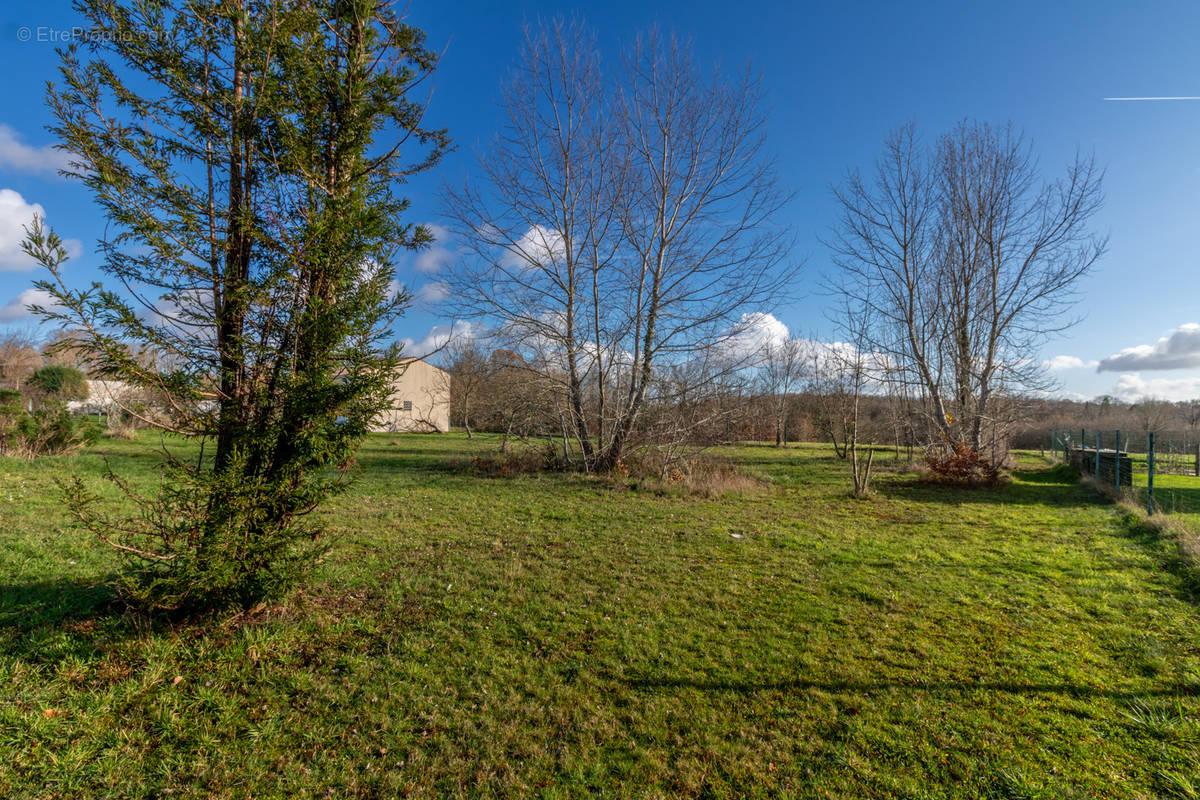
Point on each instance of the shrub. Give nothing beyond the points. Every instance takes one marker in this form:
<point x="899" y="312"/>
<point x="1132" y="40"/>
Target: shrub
<point x="48" y="430"/>
<point x="507" y="463"/>
<point x="60" y="383"/>
<point x="210" y="541"/>
<point x="959" y="463"/>
<point x="53" y="430"/>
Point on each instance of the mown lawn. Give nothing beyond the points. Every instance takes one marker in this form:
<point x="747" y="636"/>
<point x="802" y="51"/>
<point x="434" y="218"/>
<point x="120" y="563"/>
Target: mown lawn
<point x="553" y="636"/>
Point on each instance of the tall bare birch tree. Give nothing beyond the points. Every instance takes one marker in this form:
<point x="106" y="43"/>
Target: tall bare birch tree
<point x="542" y="220"/>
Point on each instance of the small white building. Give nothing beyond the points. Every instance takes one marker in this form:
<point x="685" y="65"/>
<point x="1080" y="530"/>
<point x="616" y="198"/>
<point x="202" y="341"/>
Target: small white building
<point x="104" y="397"/>
<point x="420" y="400"/>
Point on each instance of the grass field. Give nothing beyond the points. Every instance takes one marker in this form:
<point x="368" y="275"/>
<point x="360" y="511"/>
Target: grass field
<point x="553" y="636"/>
<point x="1177" y="495"/>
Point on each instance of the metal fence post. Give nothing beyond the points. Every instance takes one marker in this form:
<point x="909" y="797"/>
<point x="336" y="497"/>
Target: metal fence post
<point x="1118" y="469"/>
<point x="1097" y="456"/>
<point x="1150" y="475"/>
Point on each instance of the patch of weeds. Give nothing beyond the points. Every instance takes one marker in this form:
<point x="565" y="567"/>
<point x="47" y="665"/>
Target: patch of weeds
<point x="1016" y="784"/>
<point x="695" y="474"/>
<point x="507" y="464"/>
<point x="1165" y="721"/>
<point x="1176" y="785"/>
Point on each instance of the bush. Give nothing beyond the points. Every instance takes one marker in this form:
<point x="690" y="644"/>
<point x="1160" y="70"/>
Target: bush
<point x="53" y="430"/>
<point x="209" y="541"/>
<point x="507" y="463"/>
<point x="958" y="463"/>
<point x="122" y="426"/>
<point x="48" y="430"/>
<point x="60" y="383"/>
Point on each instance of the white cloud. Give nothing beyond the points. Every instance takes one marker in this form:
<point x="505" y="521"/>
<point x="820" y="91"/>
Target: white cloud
<point x="438" y="336"/>
<point x="427" y="294"/>
<point x="433" y="292"/>
<point x="1179" y="349"/>
<point x="750" y="337"/>
<point x="836" y="359"/>
<point x="439" y="255"/>
<point x="15" y="214"/>
<point x="1132" y="386"/>
<point x="1060" y="394"/>
<point x="1059" y="363"/>
<point x="15" y="310"/>
<point x="18" y="156"/>
<point x="538" y="247"/>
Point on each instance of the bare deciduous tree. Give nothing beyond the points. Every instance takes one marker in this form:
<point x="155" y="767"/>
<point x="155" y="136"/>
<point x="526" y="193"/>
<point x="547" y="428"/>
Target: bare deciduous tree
<point x="967" y="260"/>
<point x="780" y="373"/>
<point x="19" y="358"/>
<point x="1154" y="414"/>
<point x="859" y="369"/>
<point x="470" y="370"/>
<point x="624" y="224"/>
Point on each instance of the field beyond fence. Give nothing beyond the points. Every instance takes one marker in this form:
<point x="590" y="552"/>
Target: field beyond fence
<point x="1157" y="470"/>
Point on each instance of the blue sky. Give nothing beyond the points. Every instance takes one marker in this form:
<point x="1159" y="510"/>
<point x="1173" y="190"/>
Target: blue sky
<point x="838" y="77"/>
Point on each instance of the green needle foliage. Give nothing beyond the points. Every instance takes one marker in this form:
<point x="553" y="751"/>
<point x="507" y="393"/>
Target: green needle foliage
<point x="246" y="154"/>
<point x="56" y="382"/>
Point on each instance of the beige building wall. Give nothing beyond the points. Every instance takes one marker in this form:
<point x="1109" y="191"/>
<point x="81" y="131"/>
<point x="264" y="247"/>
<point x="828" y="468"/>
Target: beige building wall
<point x="420" y="400"/>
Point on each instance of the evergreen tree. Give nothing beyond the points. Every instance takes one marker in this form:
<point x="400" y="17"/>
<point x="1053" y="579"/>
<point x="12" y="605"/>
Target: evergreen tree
<point x="58" y="383"/>
<point x="246" y="154"/>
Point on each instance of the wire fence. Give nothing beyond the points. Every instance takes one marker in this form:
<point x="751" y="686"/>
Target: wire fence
<point x="1160" y="470"/>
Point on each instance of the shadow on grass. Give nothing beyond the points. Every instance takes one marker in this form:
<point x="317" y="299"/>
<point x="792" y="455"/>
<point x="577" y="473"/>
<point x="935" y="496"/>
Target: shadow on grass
<point x="1055" y="486"/>
<point x="46" y="621"/>
<point x="649" y="684"/>
<point x="55" y="601"/>
<point x="416" y="462"/>
<point x="1172" y="561"/>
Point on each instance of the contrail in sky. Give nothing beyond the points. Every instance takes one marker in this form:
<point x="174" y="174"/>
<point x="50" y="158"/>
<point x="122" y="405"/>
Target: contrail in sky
<point x="1136" y="99"/>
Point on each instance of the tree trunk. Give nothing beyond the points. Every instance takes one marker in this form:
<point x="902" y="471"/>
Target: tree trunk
<point x="231" y="312"/>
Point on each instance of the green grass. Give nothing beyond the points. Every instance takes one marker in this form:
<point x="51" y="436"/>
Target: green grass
<point x="551" y="636"/>
<point x="1174" y="494"/>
